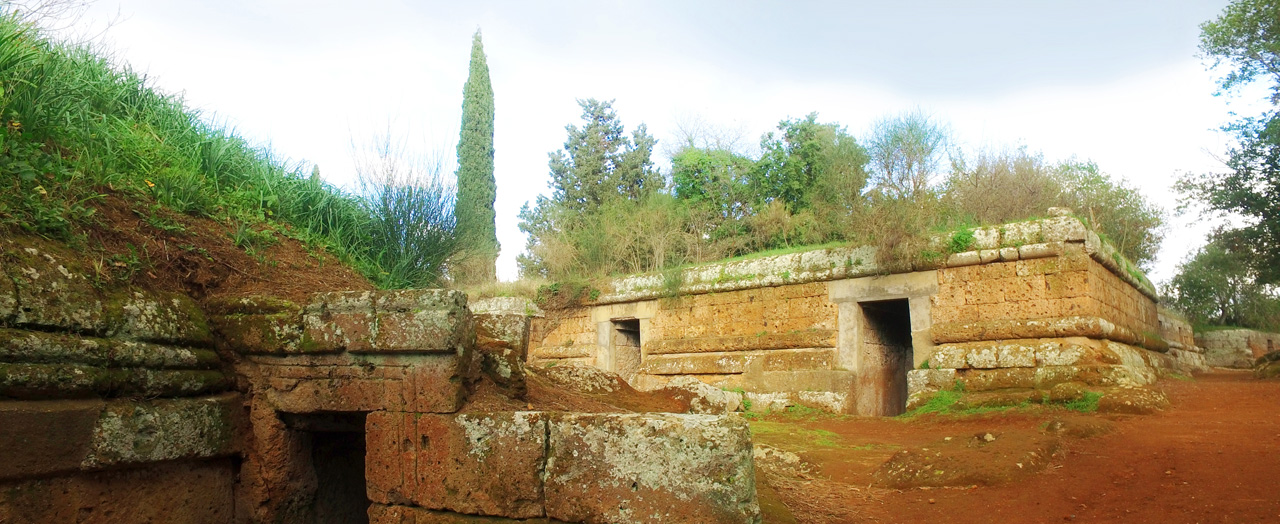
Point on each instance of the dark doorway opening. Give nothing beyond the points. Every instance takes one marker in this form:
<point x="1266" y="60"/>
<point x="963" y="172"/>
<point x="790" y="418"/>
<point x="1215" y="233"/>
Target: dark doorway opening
<point x="337" y="451"/>
<point x="626" y="347"/>
<point x="886" y="357"/>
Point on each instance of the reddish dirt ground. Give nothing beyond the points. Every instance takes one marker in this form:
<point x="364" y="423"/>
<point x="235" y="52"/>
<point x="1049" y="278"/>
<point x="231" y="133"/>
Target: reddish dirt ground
<point x="1214" y="456"/>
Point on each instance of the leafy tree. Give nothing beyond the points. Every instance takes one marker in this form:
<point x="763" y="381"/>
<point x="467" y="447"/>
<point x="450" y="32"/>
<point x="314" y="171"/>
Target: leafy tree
<point x="1246" y="36"/>
<point x="599" y="162"/>
<point x="599" y="166"/>
<point x="476" y="187"/>
<point x="806" y="162"/>
<point x="905" y="153"/>
<point x="712" y="178"/>
<point x="1217" y="286"/>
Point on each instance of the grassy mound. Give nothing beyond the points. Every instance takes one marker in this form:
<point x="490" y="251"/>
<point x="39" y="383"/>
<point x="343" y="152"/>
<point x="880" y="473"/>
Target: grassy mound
<point x="80" y="126"/>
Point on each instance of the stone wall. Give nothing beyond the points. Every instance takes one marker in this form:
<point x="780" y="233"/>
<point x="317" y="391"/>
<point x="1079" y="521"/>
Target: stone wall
<point x="765" y="340"/>
<point x="1236" y="348"/>
<point x="1177" y="332"/>
<point x="113" y="404"/>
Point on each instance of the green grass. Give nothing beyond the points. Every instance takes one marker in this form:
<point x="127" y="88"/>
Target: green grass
<point x="942" y="402"/>
<point x="1087" y="404"/>
<point x="961" y="241"/>
<point x="789" y="435"/>
<point x="78" y="124"/>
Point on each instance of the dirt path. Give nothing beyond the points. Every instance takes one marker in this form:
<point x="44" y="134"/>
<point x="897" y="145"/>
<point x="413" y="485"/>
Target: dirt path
<point x="1213" y="457"/>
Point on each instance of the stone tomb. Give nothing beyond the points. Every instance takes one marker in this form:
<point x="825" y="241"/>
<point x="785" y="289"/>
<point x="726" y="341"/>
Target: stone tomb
<point x="121" y="405"/>
<point x="1019" y="309"/>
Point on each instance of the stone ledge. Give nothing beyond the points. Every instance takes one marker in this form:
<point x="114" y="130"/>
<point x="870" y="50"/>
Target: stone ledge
<point x="422" y="383"/>
<point x="54" y="381"/>
<point x="39" y="347"/>
<point x="46" y="437"/>
<point x="1091" y="327"/>
<point x="738" y="361"/>
<point x="810" y="338"/>
<point x="410" y="321"/>
<point x="45" y="292"/>
<point x="398" y="514"/>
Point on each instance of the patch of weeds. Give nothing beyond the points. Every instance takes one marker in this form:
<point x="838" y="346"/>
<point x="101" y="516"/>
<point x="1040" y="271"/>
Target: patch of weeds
<point x="792" y="436"/>
<point x="1086" y="404"/>
<point x="942" y="402"/>
<point x="805" y="412"/>
<point x="930" y="256"/>
<point x="924" y="365"/>
<point x="126" y="266"/>
<point x="961" y="241"/>
<point x="1179" y="376"/>
<point x="672" y="281"/>
<point x="251" y="240"/>
<point x="197" y="250"/>
<point x="160" y="223"/>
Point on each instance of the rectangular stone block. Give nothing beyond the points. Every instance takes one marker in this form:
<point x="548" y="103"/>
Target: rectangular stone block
<point x="133" y="432"/>
<point x="277" y="333"/>
<point x="642" y="468"/>
<point x="42" y="437"/>
<point x="980" y="292"/>
<point x="807" y="338"/>
<point x="185" y="492"/>
<point x="798" y="359"/>
<point x="424" y="383"/>
<point x="697" y="364"/>
<point x="420" y="331"/>
<point x="483" y="464"/>
<point x="989" y="379"/>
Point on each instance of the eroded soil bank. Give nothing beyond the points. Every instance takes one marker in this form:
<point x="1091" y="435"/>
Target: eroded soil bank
<point x="1214" y="456"/>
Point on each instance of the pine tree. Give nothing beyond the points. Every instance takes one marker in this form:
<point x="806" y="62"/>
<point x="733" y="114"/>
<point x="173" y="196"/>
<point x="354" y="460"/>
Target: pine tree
<point x="476" y="188"/>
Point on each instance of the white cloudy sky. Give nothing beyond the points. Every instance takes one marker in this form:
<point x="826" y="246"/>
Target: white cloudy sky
<point x="1116" y="81"/>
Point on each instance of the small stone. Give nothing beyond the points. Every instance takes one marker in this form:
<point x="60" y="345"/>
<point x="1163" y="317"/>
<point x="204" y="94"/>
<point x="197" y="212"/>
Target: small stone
<point x="989" y="437"/>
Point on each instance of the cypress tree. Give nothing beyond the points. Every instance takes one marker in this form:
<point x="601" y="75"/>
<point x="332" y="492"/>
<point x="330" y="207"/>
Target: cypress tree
<point x="476" y="188"/>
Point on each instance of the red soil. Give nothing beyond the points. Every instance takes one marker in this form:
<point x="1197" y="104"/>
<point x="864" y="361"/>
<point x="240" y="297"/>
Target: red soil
<point x="200" y="259"/>
<point x="1214" y="456"/>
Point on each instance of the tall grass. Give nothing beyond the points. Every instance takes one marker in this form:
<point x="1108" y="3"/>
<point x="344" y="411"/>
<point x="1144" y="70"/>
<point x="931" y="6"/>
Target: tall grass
<point x="78" y="123"/>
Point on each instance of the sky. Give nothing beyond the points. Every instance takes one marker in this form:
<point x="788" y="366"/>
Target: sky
<point x="1115" y="81"/>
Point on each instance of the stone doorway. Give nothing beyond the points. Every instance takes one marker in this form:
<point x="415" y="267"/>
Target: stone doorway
<point x="336" y="443"/>
<point x="625" y="342"/>
<point x="885" y="357"/>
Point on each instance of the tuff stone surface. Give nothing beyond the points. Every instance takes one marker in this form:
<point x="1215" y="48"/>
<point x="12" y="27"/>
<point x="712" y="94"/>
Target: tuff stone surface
<point x="431" y="383"/>
<point x="650" y="468"/>
<point x="704" y="398"/>
<point x="485" y="464"/>
<point x="1236" y="348"/>
<point x="44" y="437"/>
<point x="502" y="340"/>
<point x="198" y="492"/>
<point x="42" y="290"/>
